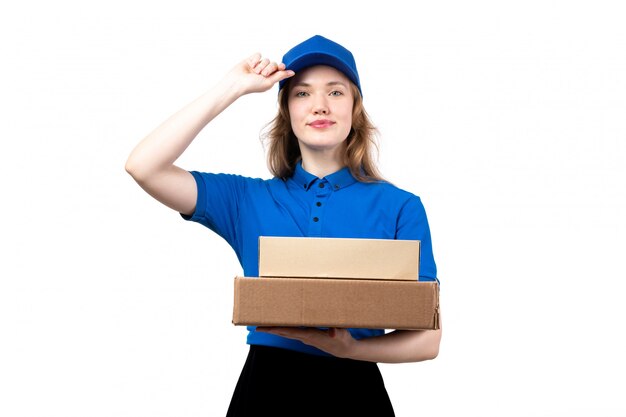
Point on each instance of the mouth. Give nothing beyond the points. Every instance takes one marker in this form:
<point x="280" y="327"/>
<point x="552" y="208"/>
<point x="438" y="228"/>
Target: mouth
<point x="320" y="124"/>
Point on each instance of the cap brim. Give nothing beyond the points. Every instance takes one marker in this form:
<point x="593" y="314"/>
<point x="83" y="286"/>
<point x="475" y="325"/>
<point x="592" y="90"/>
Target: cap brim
<point x="311" y="59"/>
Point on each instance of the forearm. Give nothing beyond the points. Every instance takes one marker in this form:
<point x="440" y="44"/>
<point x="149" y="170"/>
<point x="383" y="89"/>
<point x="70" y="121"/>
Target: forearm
<point x="394" y="347"/>
<point x="159" y="150"/>
<point x="398" y="346"/>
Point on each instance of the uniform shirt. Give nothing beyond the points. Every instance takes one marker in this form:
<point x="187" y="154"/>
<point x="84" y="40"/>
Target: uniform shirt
<point x="240" y="209"/>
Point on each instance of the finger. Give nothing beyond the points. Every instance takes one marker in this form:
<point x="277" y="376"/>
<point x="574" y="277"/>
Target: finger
<point x="269" y="69"/>
<point x="281" y="75"/>
<point x="264" y="329"/>
<point x="261" y="65"/>
<point x="290" y="332"/>
<point x="253" y="59"/>
<point x="273" y="329"/>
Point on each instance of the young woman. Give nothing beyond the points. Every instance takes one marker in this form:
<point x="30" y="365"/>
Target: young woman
<point x="325" y="184"/>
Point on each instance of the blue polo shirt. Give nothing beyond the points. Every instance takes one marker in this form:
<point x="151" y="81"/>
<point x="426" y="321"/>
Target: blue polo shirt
<point x="240" y="209"/>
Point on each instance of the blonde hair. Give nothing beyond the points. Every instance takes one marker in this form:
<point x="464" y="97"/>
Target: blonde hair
<point x="284" y="151"/>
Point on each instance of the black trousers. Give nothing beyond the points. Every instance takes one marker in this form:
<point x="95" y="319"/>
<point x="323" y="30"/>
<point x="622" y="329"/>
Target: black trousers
<point x="279" y="382"/>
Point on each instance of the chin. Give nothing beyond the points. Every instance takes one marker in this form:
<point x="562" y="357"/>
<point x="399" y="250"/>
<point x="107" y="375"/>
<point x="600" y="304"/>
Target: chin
<point x="320" y="147"/>
<point x="322" y="143"/>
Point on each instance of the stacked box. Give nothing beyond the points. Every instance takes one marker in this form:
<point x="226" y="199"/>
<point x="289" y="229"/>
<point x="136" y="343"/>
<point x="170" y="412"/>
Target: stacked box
<point x="337" y="282"/>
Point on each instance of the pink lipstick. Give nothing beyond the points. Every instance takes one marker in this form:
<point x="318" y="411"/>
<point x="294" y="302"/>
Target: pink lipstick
<point x="323" y="123"/>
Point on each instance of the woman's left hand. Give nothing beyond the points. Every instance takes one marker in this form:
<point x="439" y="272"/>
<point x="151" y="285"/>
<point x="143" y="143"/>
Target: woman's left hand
<point x="337" y="342"/>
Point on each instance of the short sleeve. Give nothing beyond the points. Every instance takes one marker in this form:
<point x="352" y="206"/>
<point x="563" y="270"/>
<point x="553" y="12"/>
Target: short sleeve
<point x="413" y="225"/>
<point x="218" y="205"/>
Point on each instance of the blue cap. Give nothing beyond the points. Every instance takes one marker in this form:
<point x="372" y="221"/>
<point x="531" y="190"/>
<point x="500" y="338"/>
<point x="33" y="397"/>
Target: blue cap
<point x="321" y="51"/>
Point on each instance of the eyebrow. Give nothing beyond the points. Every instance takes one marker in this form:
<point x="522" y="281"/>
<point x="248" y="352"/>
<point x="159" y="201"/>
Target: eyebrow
<point x="331" y="83"/>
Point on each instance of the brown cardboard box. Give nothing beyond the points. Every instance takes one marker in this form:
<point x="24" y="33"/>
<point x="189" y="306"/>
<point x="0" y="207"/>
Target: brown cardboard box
<point x="339" y="258"/>
<point x="316" y="302"/>
<point x="330" y="282"/>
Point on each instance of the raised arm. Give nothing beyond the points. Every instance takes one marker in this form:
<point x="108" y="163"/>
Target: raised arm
<point x="151" y="163"/>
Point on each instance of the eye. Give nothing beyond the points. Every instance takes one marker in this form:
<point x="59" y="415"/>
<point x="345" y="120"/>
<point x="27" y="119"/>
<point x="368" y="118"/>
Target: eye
<point x="336" y="93"/>
<point x="301" y="94"/>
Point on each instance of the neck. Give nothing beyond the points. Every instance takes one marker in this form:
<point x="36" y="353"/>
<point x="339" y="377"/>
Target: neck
<point x="322" y="164"/>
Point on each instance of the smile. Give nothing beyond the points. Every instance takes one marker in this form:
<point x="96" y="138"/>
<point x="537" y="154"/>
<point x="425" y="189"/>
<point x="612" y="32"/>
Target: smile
<point x="320" y="124"/>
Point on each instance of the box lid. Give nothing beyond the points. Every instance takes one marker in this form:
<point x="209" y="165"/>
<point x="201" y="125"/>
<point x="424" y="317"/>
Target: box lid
<point x="313" y="257"/>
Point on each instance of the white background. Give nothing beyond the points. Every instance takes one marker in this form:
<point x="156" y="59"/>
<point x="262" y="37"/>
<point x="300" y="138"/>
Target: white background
<point x="507" y="118"/>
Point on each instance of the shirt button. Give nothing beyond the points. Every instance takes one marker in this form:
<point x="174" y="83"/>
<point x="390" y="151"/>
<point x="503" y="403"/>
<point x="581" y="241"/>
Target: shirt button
<point x="315" y="219"/>
<point x="321" y="185"/>
<point x="318" y="204"/>
<point x="336" y="186"/>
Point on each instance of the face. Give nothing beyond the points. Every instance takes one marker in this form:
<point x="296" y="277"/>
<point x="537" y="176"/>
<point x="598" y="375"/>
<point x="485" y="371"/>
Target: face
<point x="320" y="107"/>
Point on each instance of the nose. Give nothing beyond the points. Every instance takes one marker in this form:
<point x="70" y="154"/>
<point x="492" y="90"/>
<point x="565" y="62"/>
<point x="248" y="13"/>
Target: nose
<point x="320" y="106"/>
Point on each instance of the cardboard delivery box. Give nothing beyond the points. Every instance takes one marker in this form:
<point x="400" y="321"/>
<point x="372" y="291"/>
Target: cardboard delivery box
<point x="324" y="302"/>
<point x="352" y="297"/>
<point x="311" y="257"/>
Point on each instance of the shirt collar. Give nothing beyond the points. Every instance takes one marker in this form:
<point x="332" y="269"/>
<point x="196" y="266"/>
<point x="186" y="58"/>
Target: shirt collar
<point x="340" y="179"/>
<point x="303" y="178"/>
<point x="337" y="180"/>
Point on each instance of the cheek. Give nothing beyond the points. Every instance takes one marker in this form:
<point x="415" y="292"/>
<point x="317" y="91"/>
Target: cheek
<point x="346" y="113"/>
<point x="347" y="117"/>
<point x="293" y="120"/>
<point x="295" y="110"/>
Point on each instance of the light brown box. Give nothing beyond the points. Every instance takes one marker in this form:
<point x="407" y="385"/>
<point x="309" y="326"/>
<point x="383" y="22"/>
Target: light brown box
<point x="336" y="303"/>
<point x="308" y="257"/>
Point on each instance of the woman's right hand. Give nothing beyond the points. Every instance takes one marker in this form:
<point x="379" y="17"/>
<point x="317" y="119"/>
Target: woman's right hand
<point x="151" y="163"/>
<point x="256" y="74"/>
